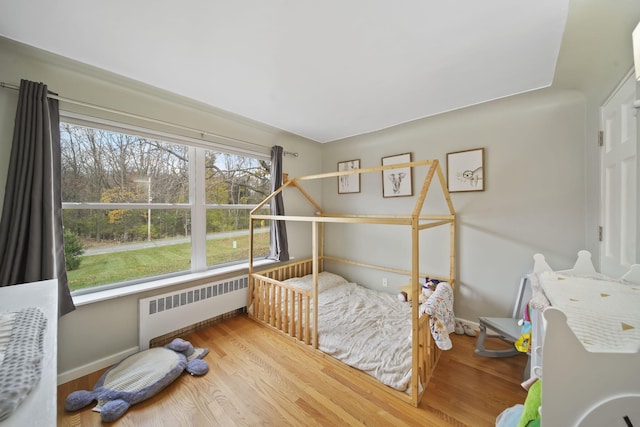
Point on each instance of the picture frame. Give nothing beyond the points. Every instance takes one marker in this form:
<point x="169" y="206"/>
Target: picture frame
<point x="397" y="182"/>
<point x="349" y="183"/>
<point x="465" y="170"/>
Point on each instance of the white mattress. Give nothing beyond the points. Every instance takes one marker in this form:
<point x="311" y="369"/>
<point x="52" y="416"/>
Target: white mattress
<point x="603" y="314"/>
<point x="371" y="330"/>
<point x="367" y="330"/>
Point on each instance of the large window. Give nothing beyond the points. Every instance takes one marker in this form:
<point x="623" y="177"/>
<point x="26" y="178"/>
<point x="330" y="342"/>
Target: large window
<point x="136" y="207"/>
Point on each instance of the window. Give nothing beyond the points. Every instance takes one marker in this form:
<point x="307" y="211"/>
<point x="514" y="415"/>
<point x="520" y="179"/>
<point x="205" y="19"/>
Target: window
<point x="136" y="206"/>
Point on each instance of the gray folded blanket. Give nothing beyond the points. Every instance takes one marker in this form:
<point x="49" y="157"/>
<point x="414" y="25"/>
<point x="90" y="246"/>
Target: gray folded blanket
<point x="21" y="353"/>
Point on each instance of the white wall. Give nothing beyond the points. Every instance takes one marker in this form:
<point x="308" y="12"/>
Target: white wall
<point x="534" y="199"/>
<point x="97" y="334"/>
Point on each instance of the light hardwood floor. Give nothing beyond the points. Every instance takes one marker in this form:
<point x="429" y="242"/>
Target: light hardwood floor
<point x="258" y="378"/>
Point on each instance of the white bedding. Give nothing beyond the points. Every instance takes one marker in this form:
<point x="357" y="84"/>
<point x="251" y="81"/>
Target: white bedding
<point x="352" y="329"/>
<point x="363" y="328"/>
<point x="603" y="314"/>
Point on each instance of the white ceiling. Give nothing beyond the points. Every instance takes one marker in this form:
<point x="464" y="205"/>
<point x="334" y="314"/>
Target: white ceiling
<point x="323" y="69"/>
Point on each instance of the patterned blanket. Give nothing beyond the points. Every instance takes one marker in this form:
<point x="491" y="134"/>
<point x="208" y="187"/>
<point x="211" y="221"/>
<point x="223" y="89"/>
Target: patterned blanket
<point x="21" y="353"/>
<point x="603" y="314"/>
<point x="442" y="320"/>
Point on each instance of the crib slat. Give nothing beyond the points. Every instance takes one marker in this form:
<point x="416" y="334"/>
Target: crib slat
<point x="260" y="300"/>
<point x="277" y="306"/>
<point x="307" y="331"/>
<point x="272" y="300"/>
<point x="299" y="315"/>
<point x="285" y="312"/>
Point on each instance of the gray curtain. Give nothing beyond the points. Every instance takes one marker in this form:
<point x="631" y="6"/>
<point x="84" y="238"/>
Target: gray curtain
<point x="31" y="235"/>
<point x="278" y="233"/>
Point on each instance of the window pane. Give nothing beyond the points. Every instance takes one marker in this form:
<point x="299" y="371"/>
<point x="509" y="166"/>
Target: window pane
<point x="110" y="167"/>
<point x="235" y="184"/>
<point x="116" y="248"/>
<point x="232" y="244"/>
<point x="236" y="180"/>
<point x="116" y="243"/>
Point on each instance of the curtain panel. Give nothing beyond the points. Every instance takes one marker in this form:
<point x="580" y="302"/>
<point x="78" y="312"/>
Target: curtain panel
<point x="279" y="246"/>
<point x="31" y="233"/>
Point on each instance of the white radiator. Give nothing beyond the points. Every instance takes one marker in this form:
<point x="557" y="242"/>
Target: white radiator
<point x="162" y="314"/>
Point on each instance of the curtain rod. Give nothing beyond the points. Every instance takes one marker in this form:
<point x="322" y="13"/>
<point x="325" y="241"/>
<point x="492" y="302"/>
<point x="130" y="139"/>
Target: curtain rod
<point x="148" y="119"/>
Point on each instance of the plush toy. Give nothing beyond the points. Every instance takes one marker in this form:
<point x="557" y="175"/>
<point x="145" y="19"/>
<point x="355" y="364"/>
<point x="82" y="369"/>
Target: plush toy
<point x="426" y="293"/>
<point x="139" y="377"/>
<point x="427" y="289"/>
<point x="431" y="283"/>
<point x="405" y="294"/>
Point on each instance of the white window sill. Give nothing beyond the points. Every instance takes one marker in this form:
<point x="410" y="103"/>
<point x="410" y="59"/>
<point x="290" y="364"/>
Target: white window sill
<point x="94" y="297"/>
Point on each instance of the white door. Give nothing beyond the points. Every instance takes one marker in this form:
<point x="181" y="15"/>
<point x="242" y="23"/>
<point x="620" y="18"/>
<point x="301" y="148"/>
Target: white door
<point x="618" y="249"/>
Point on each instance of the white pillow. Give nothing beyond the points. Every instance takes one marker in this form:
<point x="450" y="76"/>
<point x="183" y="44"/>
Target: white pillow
<point x="326" y="280"/>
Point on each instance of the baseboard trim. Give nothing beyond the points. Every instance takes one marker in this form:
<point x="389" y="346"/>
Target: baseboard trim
<point x="81" y="371"/>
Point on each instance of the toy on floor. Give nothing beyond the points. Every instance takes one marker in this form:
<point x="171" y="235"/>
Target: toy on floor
<point x="139" y="377"/>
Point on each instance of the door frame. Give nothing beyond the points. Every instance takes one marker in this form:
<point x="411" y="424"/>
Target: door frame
<point x="602" y="200"/>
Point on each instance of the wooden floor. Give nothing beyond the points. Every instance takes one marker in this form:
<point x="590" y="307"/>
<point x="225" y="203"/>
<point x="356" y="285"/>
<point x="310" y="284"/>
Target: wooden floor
<point x="258" y="378"/>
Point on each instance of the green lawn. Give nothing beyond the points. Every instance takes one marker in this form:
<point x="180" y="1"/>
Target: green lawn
<point x="116" y="267"/>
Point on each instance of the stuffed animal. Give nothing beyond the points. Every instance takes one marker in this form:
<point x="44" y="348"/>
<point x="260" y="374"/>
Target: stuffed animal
<point x="405" y="293"/>
<point x="139" y="377"/>
<point x="427" y="290"/>
<point x="431" y="283"/>
<point x="426" y="293"/>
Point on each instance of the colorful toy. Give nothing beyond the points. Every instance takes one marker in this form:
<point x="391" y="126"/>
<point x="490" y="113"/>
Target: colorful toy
<point x="427" y="290"/>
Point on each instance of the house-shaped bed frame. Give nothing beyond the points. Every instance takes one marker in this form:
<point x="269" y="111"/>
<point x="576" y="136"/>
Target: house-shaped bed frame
<point x="286" y="309"/>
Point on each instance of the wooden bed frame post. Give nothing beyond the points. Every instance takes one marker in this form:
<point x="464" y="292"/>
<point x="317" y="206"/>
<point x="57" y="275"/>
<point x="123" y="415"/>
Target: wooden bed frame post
<point x="452" y="239"/>
<point x="321" y="246"/>
<point x="415" y="316"/>
<point x="420" y="357"/>
<point x="251" y="279"/>
<point x="314" y="242"/>
<point x="452" y="254"/>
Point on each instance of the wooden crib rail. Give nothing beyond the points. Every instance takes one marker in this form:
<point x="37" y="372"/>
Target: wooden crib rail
<point x="429" y="352"/>
<point x="287" y="271"/>
<point x="282" y="307"/>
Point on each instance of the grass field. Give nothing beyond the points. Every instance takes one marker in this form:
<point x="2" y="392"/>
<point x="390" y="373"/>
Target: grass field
<point x="121" y="266"/>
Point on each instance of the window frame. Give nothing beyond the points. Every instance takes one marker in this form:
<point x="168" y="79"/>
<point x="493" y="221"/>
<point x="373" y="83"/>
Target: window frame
<point x="197" y="205"/>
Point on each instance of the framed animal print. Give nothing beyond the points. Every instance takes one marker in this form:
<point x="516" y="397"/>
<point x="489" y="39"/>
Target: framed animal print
<point x="465" y="170"/>
<point x="397" y="182"/>
<point x="349" y="183"/>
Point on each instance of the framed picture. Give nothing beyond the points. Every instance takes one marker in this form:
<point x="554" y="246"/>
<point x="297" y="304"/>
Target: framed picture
<point x="349" y="183"/>
<point x="397" y="182"/>
<point x="465" y="170"/>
